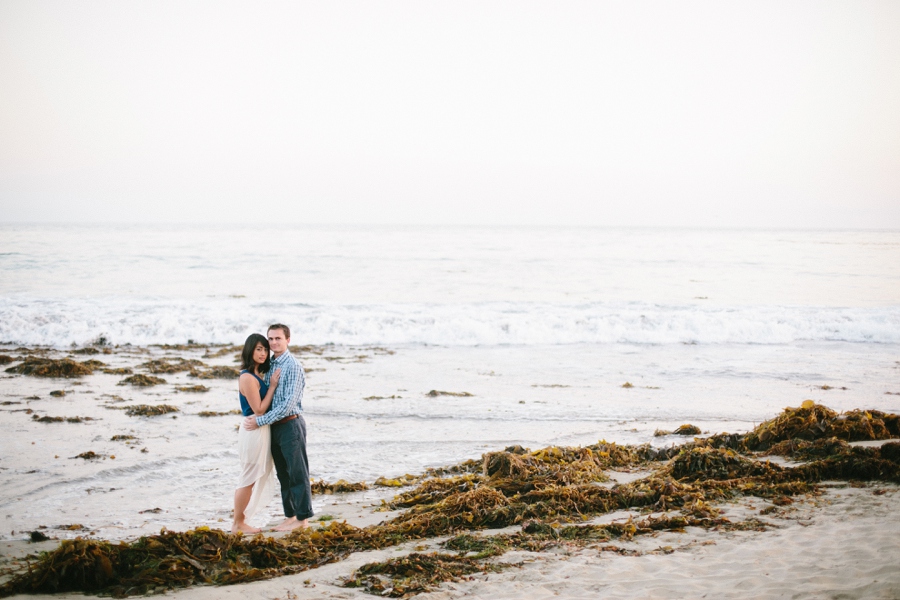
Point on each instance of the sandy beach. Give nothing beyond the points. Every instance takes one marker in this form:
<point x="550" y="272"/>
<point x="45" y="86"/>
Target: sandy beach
<point x="839" y="539"/>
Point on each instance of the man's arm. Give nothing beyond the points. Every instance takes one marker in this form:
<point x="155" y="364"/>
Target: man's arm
<point x="288" y="394"/>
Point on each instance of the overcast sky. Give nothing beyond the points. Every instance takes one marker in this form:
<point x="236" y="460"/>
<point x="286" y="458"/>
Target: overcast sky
<point x="763" y="114"/>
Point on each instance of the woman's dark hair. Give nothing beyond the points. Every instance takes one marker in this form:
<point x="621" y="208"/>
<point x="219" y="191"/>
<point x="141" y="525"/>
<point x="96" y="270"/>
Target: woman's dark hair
<point x="247" y="353"/>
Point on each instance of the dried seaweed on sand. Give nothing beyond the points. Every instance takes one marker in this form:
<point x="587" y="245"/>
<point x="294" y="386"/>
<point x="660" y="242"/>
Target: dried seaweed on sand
<point x="48" y="367"/>
<point x="217" y="372"/>
<point x="147" y="410"/>
<point x="415" y="573"/>
<point x="549" y="493"/>
<point x="813" y="421"/>
<point x="686" y="429"/>
<point x="341" y="486"/>
<point x="141" y="380"/>
<point x="192" y="389"/>
<point x="170" y="365"/>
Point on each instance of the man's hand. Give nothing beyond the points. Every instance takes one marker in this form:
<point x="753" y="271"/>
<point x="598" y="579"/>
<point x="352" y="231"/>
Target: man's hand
<point x="250" y="423"/>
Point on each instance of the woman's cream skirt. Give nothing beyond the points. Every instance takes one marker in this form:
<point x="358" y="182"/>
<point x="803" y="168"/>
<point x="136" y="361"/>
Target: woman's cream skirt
<point x="257" y="467"/>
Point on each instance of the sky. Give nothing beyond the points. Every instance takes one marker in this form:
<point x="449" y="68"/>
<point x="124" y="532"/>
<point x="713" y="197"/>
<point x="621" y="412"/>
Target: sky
<point x="622" y="113"/>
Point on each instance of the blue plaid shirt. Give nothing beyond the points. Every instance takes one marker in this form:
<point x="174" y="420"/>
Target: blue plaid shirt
<point x="289" y="393"/>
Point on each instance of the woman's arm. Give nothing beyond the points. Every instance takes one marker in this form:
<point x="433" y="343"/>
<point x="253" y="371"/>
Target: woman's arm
<point x="250" y="389"/>
<point x="267" y="401"/>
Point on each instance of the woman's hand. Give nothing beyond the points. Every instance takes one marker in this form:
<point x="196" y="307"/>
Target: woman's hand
<point x="273" y="381"/>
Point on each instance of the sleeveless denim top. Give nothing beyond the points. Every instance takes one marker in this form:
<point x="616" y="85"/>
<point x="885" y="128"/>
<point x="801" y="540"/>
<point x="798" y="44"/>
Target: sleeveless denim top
<point x="263" y="390"/>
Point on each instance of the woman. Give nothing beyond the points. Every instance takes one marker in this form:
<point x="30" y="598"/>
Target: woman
<point x="256" y="484"/>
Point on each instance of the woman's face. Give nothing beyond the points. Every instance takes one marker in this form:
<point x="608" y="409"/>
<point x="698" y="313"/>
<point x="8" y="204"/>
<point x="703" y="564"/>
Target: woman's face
<point x="260" y="354"/>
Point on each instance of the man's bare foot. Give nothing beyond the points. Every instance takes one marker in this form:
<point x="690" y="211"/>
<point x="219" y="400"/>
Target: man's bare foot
<point x="291" y="523"/>
<point x="244" y="528"/>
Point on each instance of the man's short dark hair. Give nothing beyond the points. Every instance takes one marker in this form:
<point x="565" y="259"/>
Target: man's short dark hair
<point x="281" y="326"/>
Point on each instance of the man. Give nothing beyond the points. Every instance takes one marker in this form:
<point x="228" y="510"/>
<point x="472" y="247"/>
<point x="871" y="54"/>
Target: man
<point x="288" y="431"/>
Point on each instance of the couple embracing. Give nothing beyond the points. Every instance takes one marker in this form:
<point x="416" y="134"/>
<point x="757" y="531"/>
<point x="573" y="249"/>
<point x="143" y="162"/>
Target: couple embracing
<point x="273" y="432"/>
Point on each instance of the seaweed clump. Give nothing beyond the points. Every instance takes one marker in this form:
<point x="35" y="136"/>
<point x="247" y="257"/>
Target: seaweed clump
<point x="813" y="421"/>
<point x="415" y="573"/>
<point x="236" y="350"/>
<point x="214" y="413"/>
<point x="170" y="365"/>
<point x="171" y="560"/>
<point x="341" y="486"/>
<point x="686" y="429"/>
<point x="89" y="455"/>
<point x="118" y="371"/>
<point x="192" y="389"/>
<point x="401" y="481"/>
<point x="48" y="367"/>
<point x="47" y="419"/>
<point x="436" y="393"/>
<point x="147" y="410"/>
<point x="92" y="350"/>
<point x="5" y="359"/>
<point x="218" y="372"/>
<point x="141" y="380"/>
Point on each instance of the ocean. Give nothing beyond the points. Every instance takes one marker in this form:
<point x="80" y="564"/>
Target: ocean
<point x="447" y="286"/>
<point x="543" y="336"/>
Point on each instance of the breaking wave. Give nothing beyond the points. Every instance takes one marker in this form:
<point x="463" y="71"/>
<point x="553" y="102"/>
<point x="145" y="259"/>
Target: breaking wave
<point x="64" y="322"/>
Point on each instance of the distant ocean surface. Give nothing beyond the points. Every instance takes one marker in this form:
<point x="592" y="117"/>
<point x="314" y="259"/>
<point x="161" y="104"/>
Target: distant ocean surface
<point x="447" y="286"/>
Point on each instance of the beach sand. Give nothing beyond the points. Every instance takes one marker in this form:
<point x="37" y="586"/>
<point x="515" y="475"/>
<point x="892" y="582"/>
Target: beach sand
<point x="843" y="543"/>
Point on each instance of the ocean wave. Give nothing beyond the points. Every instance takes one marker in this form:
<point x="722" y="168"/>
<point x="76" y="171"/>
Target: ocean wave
<point x="65" y="322"/>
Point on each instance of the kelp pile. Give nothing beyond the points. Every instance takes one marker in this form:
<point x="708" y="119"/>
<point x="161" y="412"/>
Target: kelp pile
<point x="48" y="367"/>
<point x="549" y="493"/>
<point x="117" y="371"/>
<point x="141" y="380"/>
<point x="225" y="350"/>
<point x="401" y="481"/>
<point x="215" y="373"/>
<point x="92" y="350"/>
<point x="170" y="365"/>
<point x="341" y="486"/>
<point x="172" y="560"/>
<point x="686" y="429"/>
<point x="49" y="419"/>
<point x="192" y="389"/>
<point x="415" y="573"/>
<point x="149" y="410"/>
<point x="218" y="413"/>
<point x="813" y="422"/>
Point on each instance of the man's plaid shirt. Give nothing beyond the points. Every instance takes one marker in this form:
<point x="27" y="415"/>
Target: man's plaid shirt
<point x="289" y="393"/>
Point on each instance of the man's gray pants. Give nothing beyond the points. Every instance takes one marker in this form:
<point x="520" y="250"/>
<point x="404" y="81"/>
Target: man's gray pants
<point x="292" y="467"/>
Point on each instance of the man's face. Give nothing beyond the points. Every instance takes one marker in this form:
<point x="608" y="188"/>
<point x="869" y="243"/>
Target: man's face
<point x="277" y="342"/>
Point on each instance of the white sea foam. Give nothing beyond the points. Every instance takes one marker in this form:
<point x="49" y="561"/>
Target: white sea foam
<point x="68" y="321"/>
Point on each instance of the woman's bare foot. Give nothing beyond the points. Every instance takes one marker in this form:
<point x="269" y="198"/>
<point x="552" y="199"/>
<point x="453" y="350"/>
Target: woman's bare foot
<point x="291" y="523"/>
<point x="244" y="528"/>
